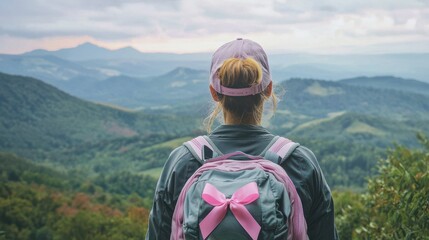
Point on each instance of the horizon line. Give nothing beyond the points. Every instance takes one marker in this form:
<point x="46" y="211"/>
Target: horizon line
<point x="269" y="52"/>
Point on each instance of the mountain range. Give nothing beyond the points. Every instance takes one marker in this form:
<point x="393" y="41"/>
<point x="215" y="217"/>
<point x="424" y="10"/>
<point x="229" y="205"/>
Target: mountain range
<point x="132" y="79"/>
<point x="88" y="51"/>
<point x="124" y="61"/>
<point x="177" y="86"/>
<point x="128" y="61"/>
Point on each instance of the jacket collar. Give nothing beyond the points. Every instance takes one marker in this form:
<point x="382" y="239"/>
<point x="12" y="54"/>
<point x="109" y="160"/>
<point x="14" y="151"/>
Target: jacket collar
<point x="239" y="131"/>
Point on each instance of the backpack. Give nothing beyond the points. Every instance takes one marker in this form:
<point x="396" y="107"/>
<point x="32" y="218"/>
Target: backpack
<point x="247" y="198"/>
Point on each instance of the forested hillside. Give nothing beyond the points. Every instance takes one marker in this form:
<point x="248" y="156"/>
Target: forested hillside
<point x="51" y="69"/>
<point x="37" y="116"/>
<point x="389" y="82"/>
<point x="319" y="98"/>
<point x="177" y="86"/>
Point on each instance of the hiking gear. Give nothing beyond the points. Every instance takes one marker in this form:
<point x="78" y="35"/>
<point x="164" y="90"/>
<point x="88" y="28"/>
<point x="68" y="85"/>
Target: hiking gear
<point x="276" y="213"/>
<point x="240" y="48"/>
<point x="301" y="166"/>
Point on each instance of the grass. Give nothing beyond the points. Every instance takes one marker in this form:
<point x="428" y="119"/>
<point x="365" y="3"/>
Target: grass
<point x="360" y="127"/>
<point x="319" y="121"/>
<point x="317" y="90"/>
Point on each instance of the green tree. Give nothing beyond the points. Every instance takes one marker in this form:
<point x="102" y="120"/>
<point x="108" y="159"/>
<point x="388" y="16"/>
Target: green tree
<point x="349" y="207"/>
<point x="396" y="205"/>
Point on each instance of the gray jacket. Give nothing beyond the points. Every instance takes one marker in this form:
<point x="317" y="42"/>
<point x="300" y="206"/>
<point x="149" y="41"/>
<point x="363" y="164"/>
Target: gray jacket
<point x="301" y="166"/>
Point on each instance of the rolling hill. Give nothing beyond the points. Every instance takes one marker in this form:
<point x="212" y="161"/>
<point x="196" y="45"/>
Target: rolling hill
<point x="173" y="88"/>
<point x="319" y="98"/>
<point x="348" y="145"/>
<point x="35" y="115"/>
<point x="369" y="129"/>
<point x="136" y="155"/>
<point x="51" y="69"/>
<point x="88" y="51"/>
<point x="389" y="82"/>
<point x="341" y="66"/>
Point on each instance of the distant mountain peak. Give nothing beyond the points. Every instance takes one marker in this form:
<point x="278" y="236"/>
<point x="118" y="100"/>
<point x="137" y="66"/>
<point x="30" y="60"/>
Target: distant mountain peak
<point x="92" y="46"/>
<point x="88" y="45"/>
<point x="128" y="48"/>
<point x="84" y="48"/>
<point x="90" y="51"/>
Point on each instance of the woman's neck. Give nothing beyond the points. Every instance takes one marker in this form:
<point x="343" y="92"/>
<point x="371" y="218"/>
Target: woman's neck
<point x="231" y="119"/>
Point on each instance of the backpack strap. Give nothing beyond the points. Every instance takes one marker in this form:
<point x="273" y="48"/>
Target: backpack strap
<point x="202" y="148"/>
<point x="280" y="150"/>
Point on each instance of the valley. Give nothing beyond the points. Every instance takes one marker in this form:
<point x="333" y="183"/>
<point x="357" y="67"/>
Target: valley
<point x="339" y="122"/>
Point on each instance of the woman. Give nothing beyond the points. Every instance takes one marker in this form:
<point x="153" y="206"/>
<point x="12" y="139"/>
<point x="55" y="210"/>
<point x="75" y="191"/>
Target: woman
<point x="240" y="82"/>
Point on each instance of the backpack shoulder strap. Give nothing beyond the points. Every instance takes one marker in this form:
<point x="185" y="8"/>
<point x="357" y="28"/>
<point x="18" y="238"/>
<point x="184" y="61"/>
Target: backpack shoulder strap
<point x="280" y="150"/>
<point x="202" y="148"/>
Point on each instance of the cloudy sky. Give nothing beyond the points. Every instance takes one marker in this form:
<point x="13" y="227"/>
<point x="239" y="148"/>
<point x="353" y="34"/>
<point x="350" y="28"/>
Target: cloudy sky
<point x="312" y="26"/>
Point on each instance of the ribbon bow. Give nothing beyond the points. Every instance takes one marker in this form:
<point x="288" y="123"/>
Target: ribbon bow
<point x="243" y="196"/>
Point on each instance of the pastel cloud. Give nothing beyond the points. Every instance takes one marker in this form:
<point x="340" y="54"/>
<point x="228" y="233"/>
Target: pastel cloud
<point x="202" y="25"/>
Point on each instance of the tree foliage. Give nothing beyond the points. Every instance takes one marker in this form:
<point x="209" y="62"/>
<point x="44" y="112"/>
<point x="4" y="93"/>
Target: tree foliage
<point x="37" y="202"/>
<point x="396" y="205"/>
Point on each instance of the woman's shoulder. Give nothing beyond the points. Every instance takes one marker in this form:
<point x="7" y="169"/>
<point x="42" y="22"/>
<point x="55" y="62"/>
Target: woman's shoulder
<point x="179" y="166"/>
<point x="304" y="154"/>
<point x="304" y="170"/>
<point x="180" y="152"/>
<point x="178" y="158"/>
<point x="302" y="164"/>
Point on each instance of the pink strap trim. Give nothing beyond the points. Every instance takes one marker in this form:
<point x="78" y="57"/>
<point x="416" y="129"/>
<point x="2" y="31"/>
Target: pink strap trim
<point x="197" y="145"/>
<point x="243" y="196"/>
<point x="285" y="149"/>
<point x="252" y="90"/>
<point x="281" y="146"/>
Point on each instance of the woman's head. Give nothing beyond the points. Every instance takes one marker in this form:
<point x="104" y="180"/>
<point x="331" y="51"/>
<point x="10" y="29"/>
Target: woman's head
<point x="240" y="82"/>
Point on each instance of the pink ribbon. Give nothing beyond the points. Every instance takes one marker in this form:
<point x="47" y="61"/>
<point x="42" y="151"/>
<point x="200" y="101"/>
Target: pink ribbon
<point x="243" y="196"/>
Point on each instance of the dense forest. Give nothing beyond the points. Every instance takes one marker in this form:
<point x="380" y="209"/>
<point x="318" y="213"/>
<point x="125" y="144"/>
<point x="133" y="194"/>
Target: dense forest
<point x="40" y="203"/>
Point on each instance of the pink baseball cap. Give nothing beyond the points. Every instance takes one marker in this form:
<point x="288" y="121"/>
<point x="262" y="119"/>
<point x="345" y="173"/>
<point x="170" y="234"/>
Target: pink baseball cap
<point x="240" y="48"/>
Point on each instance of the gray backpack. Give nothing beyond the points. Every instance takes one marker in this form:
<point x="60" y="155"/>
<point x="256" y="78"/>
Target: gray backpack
<point x="251" y="198"/>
